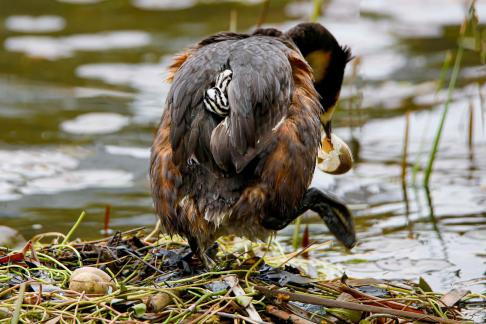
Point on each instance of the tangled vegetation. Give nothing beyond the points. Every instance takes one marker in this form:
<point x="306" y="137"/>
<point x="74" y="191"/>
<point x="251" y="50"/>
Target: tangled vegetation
<point x="131" y="277"/>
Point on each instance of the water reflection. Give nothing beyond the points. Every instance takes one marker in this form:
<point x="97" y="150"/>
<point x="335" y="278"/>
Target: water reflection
<point x="95" y="123"/>
<point x="61" y="47"/>
<point x="30" y="24"/>
<point x="79" y="103"/>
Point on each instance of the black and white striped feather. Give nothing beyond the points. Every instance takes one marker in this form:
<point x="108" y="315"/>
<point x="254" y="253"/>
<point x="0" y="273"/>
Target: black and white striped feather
<point x="216" y="98"/>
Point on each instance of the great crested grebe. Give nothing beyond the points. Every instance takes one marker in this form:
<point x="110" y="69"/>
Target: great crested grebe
<point x="237" y="145"/>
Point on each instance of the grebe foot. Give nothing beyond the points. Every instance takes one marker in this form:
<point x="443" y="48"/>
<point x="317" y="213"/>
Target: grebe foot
<point x="332" y="211"/>
<point x="206" y="257"/>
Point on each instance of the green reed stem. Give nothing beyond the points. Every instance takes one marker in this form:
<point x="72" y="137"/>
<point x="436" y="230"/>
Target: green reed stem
<point x="450" y="91"/>
<point x="316" y="12"/>
<point x="296" y="234"/>
<point x="443" y="74"/>
<point x="75" y="226"/>
<point x="438" y="135"/>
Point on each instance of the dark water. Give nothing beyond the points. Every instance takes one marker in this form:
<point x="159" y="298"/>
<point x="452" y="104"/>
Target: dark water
<point x="81" y="93"/>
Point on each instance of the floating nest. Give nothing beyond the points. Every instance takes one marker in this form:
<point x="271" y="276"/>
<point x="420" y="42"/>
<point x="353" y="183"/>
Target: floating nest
<point x="129" y="278"/>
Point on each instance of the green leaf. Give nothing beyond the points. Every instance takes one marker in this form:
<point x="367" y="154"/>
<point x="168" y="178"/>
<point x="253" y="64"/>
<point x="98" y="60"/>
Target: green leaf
<point x="139" y="309"/>
<point x="123" y="288"/>
<point x="243" y="300"/>
<point x="346" y="314"/>
<point x="424" y="285"/>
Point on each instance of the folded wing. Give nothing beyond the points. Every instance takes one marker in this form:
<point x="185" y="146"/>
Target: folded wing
<point x="259" y="97"/>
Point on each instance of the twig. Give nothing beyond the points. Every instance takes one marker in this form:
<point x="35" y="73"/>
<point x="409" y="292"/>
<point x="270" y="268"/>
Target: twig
<point x="106" y="225"/>
<point x="453" y="296"/>
<point x="305" y="242"/>
<point x="304" y="250"/>
<point x="376" y="316"/>
<point x="77" y="306"/>
<point x="470" y="133"/>
<point x="142" y="260"/>
<point x="8" y="290"/>
<point x="110" y="237"/>
<point x="377" y="301"/>
<point x="213" y="309"/>
<point x="54" y="261"/>
<point x="405" y="147"/>
<point x="286" y="296"/>
<point x="232" y="281"/>
<point x="287" y="317"/>
<point x="193" y="307"/>
<point x="41" y="236"/>
<point x="235" y="316"/>
<point x="155" y="232"/>
<point x="18" y="304"/>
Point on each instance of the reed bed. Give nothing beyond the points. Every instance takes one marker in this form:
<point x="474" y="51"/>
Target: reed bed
<point x="156" y="280"/>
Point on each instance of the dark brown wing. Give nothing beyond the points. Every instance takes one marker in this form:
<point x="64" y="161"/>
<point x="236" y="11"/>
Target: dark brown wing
<point x="184" y="101"/>
<point x="259" y="96"/>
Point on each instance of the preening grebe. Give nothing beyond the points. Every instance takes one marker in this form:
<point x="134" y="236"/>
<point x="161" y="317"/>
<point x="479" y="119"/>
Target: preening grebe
<point x="237" y="145"/>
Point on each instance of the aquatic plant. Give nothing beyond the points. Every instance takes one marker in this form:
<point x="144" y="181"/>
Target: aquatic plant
<point x="469" y="24"/>
<point x="157" y="280"/>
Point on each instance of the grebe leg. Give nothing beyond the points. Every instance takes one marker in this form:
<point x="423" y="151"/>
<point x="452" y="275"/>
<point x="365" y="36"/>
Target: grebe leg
<point x="208" y="262"/>
<point x="331" y="210"/>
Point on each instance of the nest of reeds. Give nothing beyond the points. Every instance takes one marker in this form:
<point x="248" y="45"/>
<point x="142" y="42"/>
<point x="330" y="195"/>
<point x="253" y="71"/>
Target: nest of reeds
<point x="158" y="281"/>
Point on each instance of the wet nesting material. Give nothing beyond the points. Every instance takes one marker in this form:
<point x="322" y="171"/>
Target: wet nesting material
<point x="127" y="277"/>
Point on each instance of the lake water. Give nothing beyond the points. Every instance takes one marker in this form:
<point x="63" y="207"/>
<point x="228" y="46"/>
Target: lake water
<point x="82" y="91"/>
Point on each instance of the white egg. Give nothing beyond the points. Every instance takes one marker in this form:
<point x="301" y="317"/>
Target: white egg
<point x="334" y="157"/>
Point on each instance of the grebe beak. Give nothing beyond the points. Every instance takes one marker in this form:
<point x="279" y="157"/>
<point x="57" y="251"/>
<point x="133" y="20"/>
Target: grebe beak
<point x="334" y="157"/>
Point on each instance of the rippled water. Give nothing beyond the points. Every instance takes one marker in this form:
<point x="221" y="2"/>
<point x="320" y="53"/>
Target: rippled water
<point x="81" y="93"/>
